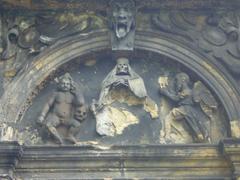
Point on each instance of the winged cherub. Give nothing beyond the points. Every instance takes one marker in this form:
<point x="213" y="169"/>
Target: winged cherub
<point x="194" y="107"/>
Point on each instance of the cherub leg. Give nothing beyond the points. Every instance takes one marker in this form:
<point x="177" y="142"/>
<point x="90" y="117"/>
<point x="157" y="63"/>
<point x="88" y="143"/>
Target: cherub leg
<point x="52" y="123"/>
<point x="73" y="130"/>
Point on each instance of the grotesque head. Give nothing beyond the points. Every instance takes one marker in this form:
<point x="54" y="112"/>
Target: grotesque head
<point x="122" y="66"/>
<point x="182" y="79"/>
<point x="65" y="82"/>
<point x="122" y="13"/>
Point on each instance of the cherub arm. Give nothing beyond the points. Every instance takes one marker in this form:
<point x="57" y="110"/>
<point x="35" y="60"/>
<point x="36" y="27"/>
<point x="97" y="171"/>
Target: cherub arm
<point x="46" y="108"/>
<point x="169" y="94"/>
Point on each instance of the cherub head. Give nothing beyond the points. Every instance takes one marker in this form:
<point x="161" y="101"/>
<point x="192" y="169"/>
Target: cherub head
<point x="181" y="80"/>
<point x="65" y="83"/>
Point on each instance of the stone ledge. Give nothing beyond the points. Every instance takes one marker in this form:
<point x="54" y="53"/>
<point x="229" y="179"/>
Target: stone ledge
<point x="93" y="5"/>
<point x="231" y="150"/>
<point x="10" y="154"/>
<point x="131" y="161"/>
<point x="192" y="161"/>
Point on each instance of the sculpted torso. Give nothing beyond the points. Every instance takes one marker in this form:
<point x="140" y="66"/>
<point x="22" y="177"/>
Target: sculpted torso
<point x="63" y="104"/>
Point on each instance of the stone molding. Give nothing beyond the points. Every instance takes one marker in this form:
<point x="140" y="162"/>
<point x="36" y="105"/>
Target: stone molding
<point x="193" y="161"/>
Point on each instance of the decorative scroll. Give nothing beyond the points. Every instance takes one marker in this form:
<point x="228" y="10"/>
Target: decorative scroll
<point x="26" y="37"/>
<point x="216" y="34"/>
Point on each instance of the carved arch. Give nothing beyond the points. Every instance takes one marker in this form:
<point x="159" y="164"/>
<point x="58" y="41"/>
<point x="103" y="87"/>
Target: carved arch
<point x="210" y="71"/>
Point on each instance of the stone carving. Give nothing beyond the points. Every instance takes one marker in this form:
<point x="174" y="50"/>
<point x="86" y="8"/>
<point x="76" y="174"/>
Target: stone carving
<point x="217" y="34"/>
<point x="175" y="22"/>
<point x="124" y="85"/>
<point x="66" y="107"/>
<point x="6" y="132"/>
<point x="194" y="109"/>
<point x="26" y="38"/>
<point x="221" y="39"/>
<point x="122" y="15"/>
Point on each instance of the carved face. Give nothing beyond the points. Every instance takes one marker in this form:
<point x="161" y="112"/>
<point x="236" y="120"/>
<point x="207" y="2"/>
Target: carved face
<point x="65" y="84"/>
<point x="122" y="66"/>
<point x="181" y="79"/>
<point x="122" y="16"/>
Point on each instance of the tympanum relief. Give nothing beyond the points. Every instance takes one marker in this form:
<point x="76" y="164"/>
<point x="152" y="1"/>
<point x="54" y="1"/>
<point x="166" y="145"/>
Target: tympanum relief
<point x="120" y="100"/>
<point x="108" y="100"/>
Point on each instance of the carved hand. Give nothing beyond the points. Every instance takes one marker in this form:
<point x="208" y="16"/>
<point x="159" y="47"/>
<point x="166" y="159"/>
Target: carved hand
<point x="121" y="82"/>
<point x="163" y="82"/>
<point x="163" y="90"/>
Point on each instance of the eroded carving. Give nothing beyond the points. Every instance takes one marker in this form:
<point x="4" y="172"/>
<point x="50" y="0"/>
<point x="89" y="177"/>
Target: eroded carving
<point x="66" y="107"/>
<point x="122" y="15"/>
<point x="27" y="37"/>
<point x="215" y="34"/>
<point x="123" y="85"/>
<point x="221" y="39"/>
<point x="193" y="110"/>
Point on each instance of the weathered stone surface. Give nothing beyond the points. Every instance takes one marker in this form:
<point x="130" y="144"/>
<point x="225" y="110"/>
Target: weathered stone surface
<point x="187" y="50"/>
<point x="112" y="121"/>
<point x="142" y="162"/>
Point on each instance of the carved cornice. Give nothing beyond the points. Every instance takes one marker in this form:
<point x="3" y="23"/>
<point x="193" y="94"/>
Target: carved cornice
<point x="93" y="5"/>
<point x="140" y="161"/>
<point x="130" y="161"/>
<point x="231" y="149"/>
<point x="10" y="154"/>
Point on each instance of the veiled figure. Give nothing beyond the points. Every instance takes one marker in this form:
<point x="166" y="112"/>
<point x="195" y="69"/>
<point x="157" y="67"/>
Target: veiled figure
<point x="125" y="84"/>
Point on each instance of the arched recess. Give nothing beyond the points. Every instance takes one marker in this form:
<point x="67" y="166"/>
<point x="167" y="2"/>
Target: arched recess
<point x="18" y="92"/>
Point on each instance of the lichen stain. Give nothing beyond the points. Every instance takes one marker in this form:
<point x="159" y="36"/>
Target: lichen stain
<point x="90" y="62"/>
<point x="10" y="73"/>
<point x="235" y="129"/>
<point x="38" y="65"/>
<point x="127" y="97"/>
<point x="200" y="22"/>
<point x="83" y="20"/>
<point x="25" y="3"/>
<point x="121" y="119"/>
<point x="151" y="107"/>
<point x="7" y="132"/>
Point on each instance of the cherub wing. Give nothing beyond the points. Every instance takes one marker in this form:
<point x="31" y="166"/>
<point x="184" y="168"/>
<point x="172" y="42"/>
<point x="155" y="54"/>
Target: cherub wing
<point x="204" y="98"/>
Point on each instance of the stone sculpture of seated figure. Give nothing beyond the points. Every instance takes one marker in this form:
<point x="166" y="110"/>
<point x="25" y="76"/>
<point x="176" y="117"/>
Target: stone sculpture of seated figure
<point x="65" y="107"/>
<point x="121" y="85"/>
